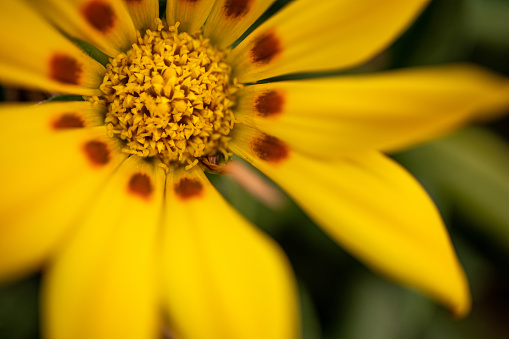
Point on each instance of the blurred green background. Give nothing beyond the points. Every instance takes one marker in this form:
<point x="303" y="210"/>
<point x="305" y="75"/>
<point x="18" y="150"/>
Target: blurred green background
<point x="467" y="174"/>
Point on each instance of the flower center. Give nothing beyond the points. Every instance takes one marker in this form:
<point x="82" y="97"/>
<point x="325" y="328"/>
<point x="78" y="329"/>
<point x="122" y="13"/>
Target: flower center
<point x="170" y="96"/>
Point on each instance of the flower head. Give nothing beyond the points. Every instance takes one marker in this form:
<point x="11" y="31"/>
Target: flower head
<point x="170" y="97"/>
<point x="110" y="193"/>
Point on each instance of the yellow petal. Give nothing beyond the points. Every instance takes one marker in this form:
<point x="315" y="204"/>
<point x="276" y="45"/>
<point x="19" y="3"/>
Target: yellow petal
<point x="495" y="105"/>
<point x="143" y="13"/>
<point x="229" y="19"/>
<point x="103" y="23"/>
<point x="36" y="55"/>
<point x="310" y="35"/>
<point x="223" y="279"/>
<point x="20" y="120"/>
<point x="373" y="208"/>
<point x="103" y="284"/>
<point x="50" y="171"/>
<point x="190" y="13"/>
<point x="391" y="110"/>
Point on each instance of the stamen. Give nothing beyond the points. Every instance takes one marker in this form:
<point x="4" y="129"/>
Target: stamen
<point x="170" y="97"/>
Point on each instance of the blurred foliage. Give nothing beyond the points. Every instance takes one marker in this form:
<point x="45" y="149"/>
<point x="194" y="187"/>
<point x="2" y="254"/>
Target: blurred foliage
<point x="18" y="311"/>
<point x="92" y="51"/>
<point x="467" y="174"/>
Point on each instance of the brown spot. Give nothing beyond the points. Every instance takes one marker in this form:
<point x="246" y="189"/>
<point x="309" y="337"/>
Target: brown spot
<point x="68" y="120"/>
<point x="265" y="48"/>
<point x="188" y="188"/>
<point x="140" y="185"/>
<point x="99" y="15"/>
<point x="269" y="103"/>
<point x="97" y="152"/>
<point x="65" y="68"/>
<point x="269" y="148"/>
<point x="236" y="8"/>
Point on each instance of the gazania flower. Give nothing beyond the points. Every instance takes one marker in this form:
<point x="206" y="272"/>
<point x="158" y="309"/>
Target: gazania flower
<point x="110" y="194"/>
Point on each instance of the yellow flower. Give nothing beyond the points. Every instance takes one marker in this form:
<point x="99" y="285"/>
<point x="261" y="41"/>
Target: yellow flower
<point x="110" y="193"/>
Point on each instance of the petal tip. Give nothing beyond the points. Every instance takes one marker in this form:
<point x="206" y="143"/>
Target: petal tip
<point x="460" y="300"/>
<point x="462" y="307"/>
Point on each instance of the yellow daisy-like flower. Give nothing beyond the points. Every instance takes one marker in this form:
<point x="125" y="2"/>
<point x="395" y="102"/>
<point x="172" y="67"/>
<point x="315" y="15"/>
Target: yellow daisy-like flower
<point x="110" y="193"/>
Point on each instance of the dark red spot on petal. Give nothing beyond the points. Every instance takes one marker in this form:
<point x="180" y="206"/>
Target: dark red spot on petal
<point x="269" y="103"/>
<point x="236" y="8"/>
<point x="269" y="148"/>
<point x="97" y="152"/>
<point x="65" y="68"/>
<point x="141" y="185"/>
<point x="266" y="48"/>
<point x="99" y="15"/>
<point x="188" y="188"/>
<point x="68" y="120"/>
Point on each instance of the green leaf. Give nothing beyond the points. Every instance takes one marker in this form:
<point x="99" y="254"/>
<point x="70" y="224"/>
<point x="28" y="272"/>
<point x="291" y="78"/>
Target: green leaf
<point x="472" y="168"/>
<point x="251" y="208"/>
<point x="65" y="97"/>
<point x="310" y="324"/>
<point x="19" y="309"/>
<point x="162" y="9"/>
<point x="439" y="35"/>
<point x="488" y="20"/>
<point x="378" y="309"/>
<point x="92" y="51"/>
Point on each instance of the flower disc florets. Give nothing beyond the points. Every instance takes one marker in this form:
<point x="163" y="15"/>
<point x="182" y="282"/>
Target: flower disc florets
<point x="170" y="96"/>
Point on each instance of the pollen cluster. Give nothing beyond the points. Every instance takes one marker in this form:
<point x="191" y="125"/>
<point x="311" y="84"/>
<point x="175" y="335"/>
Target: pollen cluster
<point x="170" y="96"/>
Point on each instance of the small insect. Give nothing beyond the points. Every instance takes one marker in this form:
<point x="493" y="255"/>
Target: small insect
<point x="213" y="159"/>
<point x="212" y="163"/>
